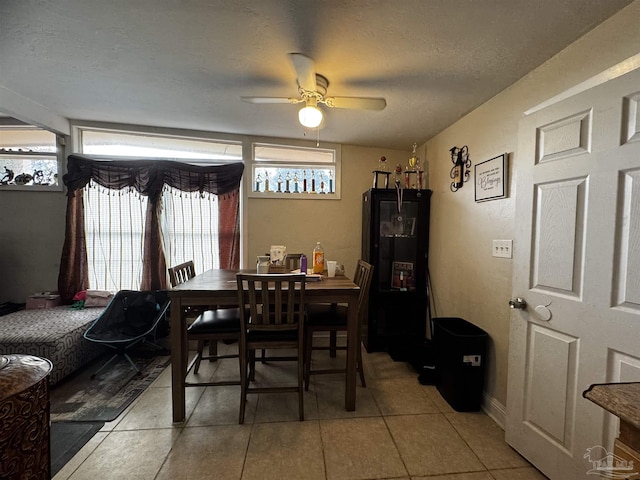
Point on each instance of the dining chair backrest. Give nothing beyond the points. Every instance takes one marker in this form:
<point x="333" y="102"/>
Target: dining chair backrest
<point x="181" y="273"/>
<point x="362" y="278"/>
<point x="276" y="301"/>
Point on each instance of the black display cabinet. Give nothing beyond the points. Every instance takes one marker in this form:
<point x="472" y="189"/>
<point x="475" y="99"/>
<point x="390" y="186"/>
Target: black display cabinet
<point x="395" y="240"/>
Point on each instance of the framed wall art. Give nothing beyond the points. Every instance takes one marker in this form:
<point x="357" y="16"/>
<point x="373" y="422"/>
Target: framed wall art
<point x="402" y="277"/>
<point x="490" y="178"/>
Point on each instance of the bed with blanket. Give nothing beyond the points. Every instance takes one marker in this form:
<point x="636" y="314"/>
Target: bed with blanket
<point x="53" y="333"/>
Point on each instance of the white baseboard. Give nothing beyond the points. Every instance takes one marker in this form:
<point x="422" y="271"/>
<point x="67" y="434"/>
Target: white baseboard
<point x="494" y="409"/>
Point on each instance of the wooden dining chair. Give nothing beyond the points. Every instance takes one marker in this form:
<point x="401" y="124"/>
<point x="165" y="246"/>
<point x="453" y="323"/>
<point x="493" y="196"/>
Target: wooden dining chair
<point x="333" y="318"/>
<point x="274" y="319"/>
<point x="181" y="273"/>
<point x="291" y="262"/>
<point x="210" y="325"/>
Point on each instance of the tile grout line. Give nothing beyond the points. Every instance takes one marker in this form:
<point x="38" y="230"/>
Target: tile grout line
<point x="465" y="442"/>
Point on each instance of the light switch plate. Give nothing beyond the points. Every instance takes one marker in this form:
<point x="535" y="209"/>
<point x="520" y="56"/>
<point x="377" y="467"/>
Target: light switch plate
<point x="502" y="248"/>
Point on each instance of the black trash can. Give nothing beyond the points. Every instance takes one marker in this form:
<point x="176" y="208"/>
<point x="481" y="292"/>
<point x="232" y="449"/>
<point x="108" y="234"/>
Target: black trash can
<point x="460" y="361"/>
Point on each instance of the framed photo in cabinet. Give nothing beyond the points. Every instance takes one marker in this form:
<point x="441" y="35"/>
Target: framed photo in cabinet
<point x="402" y="276"/>
<point x="391" y="229"/>
<point x="410" y="226"/>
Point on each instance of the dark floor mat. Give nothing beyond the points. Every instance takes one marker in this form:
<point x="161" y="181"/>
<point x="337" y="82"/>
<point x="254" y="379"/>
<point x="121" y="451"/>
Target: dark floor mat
<point x="67" y="438"/>
<point x="81" y="398"/>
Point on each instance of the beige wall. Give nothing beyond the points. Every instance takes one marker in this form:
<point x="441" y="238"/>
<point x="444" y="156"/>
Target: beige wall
<point x="31" y="238"/>
<point x="468" y="281"/>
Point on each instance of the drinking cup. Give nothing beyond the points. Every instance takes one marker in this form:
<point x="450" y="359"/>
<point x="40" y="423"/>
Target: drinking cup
<point x="331" y="268"/>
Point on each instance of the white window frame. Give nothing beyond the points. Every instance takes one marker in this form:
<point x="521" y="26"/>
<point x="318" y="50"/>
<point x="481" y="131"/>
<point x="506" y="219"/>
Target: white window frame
<point x="77" y="131"/>
<point x="304" y="162"/>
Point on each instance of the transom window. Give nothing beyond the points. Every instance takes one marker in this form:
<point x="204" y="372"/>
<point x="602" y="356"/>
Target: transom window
<point x="113" y="143"/>
<point x="280" y="171"/>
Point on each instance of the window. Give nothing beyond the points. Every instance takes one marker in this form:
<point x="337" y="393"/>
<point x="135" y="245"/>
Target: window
<point x="280" y="171"/>
<point x="114" y="230"/>
<point x="28" y="158"/>
<point x="115" y="220"/>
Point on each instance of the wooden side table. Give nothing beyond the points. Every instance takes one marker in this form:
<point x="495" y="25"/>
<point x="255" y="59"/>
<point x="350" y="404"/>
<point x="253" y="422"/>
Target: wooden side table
<point x="623" y="400"/>
<point x="25" y="445"/>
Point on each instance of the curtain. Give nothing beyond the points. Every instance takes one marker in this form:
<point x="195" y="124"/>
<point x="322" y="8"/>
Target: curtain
<point x="190" y="228"/>
<point x="74" y="273"/>
<point x="229" y="231"/>
<point x="149" y="178"/>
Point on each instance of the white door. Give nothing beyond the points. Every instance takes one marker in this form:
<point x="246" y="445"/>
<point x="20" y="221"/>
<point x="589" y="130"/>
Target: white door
<point x="577" y="259"/>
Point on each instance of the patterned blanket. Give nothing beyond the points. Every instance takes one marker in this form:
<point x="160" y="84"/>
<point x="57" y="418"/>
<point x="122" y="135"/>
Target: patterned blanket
<point x="53" y="333"/>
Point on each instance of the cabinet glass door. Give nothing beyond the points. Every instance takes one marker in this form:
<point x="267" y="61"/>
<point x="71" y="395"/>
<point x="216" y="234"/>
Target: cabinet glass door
<point x="397" y="250"/>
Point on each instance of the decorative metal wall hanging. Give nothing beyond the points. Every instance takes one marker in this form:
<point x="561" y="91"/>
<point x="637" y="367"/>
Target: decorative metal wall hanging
<point x="461" y="165"/>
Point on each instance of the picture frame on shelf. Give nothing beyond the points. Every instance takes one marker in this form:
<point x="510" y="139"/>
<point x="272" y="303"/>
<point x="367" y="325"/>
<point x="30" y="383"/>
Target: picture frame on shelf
<point x="386" y="229"/>
<point x="391" y="229"/>
<point x="490" y="179"/>
<point x="402" y="276"/>
<point x="410" y="226"/>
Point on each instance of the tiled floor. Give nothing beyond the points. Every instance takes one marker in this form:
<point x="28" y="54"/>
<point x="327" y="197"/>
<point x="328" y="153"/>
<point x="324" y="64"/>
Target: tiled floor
<point x="400" y="430"/>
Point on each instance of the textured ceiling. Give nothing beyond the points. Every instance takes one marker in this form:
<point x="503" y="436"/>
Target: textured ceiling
<point x="185" y="64"/>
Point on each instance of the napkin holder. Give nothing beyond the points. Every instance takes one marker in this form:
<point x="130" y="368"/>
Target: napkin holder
<point x="278" y="269"/>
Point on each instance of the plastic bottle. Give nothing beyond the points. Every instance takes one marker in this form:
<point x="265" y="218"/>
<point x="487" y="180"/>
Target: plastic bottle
<point x="318" y="259"/>
<point x="303" y="263"/>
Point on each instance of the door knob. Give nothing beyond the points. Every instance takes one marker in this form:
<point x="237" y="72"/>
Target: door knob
<point x="519" y="303"/>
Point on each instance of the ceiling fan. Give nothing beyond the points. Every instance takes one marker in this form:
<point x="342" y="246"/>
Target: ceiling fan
<point x="312" y="88"/>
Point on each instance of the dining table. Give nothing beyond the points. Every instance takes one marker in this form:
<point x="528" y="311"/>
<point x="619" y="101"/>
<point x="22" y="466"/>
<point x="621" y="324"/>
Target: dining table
<point x="219" y="287"/>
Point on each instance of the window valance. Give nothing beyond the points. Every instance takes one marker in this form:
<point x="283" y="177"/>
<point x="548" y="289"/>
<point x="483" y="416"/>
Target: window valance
<point x="149" y="177"/>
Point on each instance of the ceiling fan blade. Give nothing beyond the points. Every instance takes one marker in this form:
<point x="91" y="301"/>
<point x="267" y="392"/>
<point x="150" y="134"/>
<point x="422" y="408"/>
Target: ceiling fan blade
<point x="271" y="100"/>
<point x="305" y="70"/>
<point x="359" y="103"/>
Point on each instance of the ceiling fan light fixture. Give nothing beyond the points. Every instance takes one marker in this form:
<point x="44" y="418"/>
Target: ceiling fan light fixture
<point x="310" y="116"/>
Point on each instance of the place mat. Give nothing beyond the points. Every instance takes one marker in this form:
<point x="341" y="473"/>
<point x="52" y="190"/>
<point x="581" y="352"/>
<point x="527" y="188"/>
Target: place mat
<point x="103" y="398"/>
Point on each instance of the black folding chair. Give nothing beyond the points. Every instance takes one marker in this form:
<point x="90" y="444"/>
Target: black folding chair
<point x="131" y="317"/>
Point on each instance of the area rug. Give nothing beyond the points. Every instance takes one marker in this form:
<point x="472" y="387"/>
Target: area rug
<point x="81" y="398"/>
<point x="67" y="438"/>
